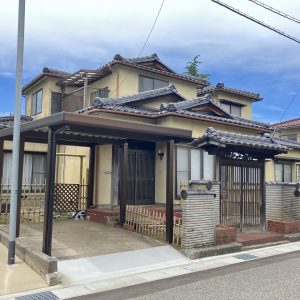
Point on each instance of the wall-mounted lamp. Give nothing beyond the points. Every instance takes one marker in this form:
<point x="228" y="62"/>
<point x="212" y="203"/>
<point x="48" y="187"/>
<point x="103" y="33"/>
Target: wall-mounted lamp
<point x="160" y="154"/>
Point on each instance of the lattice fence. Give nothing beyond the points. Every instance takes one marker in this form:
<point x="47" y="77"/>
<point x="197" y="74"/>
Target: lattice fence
<point x="152" y="223"/>
<point x="66" y="198"/>
<point x="33" y="198"/>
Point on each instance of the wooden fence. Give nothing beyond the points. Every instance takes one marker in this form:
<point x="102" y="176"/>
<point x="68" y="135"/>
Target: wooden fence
<point x="152" y="223"/>
<point x="32" y="202"/>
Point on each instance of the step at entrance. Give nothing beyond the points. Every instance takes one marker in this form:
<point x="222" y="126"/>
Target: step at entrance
<point x="256" y="238"/>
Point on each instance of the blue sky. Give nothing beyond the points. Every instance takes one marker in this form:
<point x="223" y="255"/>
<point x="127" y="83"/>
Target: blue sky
<point x="73" y="34"/>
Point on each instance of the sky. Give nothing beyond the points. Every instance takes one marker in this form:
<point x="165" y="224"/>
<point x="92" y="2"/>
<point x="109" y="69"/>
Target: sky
<point x="74" y="34"/>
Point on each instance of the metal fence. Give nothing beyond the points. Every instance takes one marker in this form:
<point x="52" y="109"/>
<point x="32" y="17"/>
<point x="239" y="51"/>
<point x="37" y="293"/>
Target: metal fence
<point x="33" y="199"/>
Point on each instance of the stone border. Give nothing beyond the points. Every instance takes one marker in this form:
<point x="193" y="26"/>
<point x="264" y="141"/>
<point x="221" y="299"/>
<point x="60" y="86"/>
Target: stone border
<point x="43" y="264"/>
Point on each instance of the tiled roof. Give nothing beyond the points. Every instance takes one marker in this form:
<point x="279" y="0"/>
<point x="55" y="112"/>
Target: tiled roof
<point x="122" y="105"/>
<point x="223" y="139"/>
<point x="7" y="121"/>
<point x="118" y="59"/>
<point x="100" y="102"/>
<point x="222" y="87"/>
<point x="144" y="59"/>
<point x="46" y="72"/>
<point x="287" y="124"/>
<point x="185" y="104"/>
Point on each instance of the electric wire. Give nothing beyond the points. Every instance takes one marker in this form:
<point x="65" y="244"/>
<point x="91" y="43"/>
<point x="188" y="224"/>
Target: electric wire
<point x="256" y="21"/>
<point x="276" y="11"/>
<point x="290" y="103"/>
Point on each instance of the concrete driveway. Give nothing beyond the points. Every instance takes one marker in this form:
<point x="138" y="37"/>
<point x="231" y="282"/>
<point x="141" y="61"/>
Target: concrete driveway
<point x="75" y="239"/>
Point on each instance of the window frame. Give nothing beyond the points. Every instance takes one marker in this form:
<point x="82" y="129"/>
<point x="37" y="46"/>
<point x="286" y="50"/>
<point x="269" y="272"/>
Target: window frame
<point x="288" y="136"/>
<point x="230" y="105"/>
<point x="189" y="149"/>
<point x="34" y="96"/>
<point x="282" y="172"/>
<point x="153" y="83"/>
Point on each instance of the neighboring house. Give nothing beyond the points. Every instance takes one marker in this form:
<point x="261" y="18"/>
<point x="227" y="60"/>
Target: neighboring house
<point x="146" y="91"/>
<point x="287" y="167"/>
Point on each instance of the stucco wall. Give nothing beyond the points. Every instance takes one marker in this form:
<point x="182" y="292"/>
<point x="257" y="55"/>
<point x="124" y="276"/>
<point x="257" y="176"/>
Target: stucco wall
<point x="103" y="179"/>
<point x="246" y="111"/>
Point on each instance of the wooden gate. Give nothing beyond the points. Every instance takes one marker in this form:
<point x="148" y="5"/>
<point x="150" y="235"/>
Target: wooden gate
<point x="241" y="198"/>
<point x="141" y="166"/>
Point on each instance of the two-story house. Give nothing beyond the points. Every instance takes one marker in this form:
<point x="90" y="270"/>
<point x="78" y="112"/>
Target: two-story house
<point x="140" y="91"/>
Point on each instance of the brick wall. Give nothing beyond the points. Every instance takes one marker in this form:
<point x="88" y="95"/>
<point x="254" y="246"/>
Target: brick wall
<point x="225" y="235"/>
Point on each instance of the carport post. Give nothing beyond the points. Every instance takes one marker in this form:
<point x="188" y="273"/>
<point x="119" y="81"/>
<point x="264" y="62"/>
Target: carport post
<point x="20" y="180"/>
<point x="170" y="192"/>
<point x="124" y="184"/>
<point x="1" y="161"/>
<point x="90" y="200"/>
<point x="49" y="192"/>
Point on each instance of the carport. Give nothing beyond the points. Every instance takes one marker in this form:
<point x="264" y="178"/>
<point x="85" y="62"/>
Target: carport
<point x="84" y="130"/>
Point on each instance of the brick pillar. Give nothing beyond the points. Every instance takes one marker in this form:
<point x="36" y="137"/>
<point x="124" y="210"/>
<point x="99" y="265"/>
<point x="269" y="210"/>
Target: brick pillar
<point x="198" y="219"/>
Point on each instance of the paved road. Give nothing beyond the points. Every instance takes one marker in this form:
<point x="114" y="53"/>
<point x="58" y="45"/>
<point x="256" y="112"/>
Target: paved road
<point x="276" y="277"/>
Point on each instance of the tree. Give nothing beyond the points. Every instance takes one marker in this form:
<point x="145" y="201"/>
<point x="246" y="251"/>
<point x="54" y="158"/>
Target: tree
<point x="192" y="68"/>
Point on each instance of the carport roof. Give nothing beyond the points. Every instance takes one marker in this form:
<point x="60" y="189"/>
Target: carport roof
<point x="86" y="129"/>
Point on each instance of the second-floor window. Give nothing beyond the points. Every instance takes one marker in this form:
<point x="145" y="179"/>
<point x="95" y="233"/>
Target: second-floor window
<point x="149" y="83"/>
<point x="233" y="109"/>
<point x="101" y="93"/>
<point x="36" y="102"/>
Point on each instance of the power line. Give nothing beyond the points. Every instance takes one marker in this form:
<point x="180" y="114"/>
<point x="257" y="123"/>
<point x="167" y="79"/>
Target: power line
<point x="276" y="11"/>
<point x="152" y="28"/>
<point x="291" y="102"/>
<point x="146" y="42"/>
<point x="256" y="21"/>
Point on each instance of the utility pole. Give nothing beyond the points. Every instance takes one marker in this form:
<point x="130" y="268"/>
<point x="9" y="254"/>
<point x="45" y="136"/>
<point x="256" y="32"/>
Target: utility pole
<point x="16" y="136"/>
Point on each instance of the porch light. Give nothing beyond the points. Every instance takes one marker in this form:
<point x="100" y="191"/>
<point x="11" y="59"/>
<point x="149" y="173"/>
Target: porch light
<point x="160" y="153"/>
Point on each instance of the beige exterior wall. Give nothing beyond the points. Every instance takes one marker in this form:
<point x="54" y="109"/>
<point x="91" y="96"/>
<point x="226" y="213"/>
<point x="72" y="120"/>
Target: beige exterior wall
<point x="48" y="84"/>
<point x="246" y="111"/>
<point x="103" y="175"/>
<point x="129" y="82"/>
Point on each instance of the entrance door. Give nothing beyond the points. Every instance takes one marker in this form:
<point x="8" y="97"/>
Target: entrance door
<point x="241" y="194"/>
<point x="141" y="184"/>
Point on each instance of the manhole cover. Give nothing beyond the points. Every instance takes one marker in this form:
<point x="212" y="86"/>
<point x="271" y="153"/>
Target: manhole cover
<point x="39" y="296"/>
<point x="245" y="256"/>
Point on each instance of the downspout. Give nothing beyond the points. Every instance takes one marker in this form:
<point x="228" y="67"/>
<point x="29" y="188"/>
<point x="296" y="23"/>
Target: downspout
<point x="85" y="91"/>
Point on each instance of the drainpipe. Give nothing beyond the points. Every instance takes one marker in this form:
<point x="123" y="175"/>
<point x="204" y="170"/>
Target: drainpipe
<point x="85" y="91"/>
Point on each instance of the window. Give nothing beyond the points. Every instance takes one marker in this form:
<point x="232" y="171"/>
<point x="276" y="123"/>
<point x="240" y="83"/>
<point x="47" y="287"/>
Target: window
<point x="55" y="103"/>
<point x="192" y="164"/>
<point x="231" y="108"/>
<point x="34" y="169"/>
<point x="283" y="172"/>
<point x="291" y="137"/>
<point x="298" y="173"/>
<point x="148" y="83"/>
<point x="36" y="102"/>
<point x="102" y="93"/>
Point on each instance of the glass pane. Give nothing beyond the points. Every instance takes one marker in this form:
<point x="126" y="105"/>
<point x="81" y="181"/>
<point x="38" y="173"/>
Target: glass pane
<point x="39" y="96"/>
<point x="7" y="161"/>
<point x="182" y="181"/>
<point x="33" y="104"/>
<point x="298" y="173"/>
<point x="160" y="83"/>
<point x="225" y="107"/>
<point x="236" y="110"/>
<point x="287" y="173"/>
<point x="195" y="164"/>
<point x="278" y="172"/>
<point x="145" y="84"/>
<point x="182" y="159"/>
<point x="208" y="166"/>
<point x="27" y="169"/>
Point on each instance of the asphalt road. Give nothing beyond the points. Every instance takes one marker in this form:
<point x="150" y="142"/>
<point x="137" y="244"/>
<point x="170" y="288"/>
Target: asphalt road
<point x="276" y="277"/>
